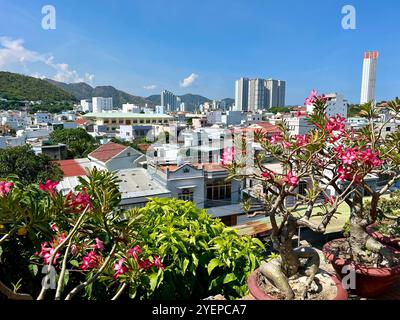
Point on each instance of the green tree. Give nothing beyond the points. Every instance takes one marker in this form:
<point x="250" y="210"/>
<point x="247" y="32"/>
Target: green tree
<point x="79" y="142"/>
<point x="29" y="167"/>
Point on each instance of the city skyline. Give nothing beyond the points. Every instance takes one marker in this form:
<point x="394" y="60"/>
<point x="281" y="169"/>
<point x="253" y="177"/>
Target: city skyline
<point x="169" y="51"/>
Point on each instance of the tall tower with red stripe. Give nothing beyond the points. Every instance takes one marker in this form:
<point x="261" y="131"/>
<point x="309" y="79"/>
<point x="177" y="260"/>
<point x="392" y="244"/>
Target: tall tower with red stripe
<point x="369" y="77"/>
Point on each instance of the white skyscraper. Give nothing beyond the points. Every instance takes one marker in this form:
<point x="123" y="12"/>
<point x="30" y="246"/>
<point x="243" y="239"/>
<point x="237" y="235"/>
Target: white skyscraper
<point x="369" y="77"/>
<point x="241" y="94"/>
<point x="100" y="104"/>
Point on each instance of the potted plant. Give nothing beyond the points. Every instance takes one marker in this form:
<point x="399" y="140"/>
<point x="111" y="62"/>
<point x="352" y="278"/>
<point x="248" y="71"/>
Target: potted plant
<point x="292" y="272"/>
<point x="386" y="229"/>
<point x="358" y="158"/>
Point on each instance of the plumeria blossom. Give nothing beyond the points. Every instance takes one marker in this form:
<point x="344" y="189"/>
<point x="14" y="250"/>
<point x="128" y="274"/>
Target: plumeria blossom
<point x="49" y="187"/>
<point x="90" y="261"/>
<point x="134" y="252"/>
<point x="54" y="227"/>
<point x="290" y="179"/>
<point x="99" y="245"/>
<point x="228" y="156"/>
<point x="158" y="263"/>
<point x="268" y="175"/>
<point x="120" y="268"/>
<point x="349" y="156"/>
<point x="46" y="253"/>
<point x="5" y="187"/>
<point x="336" y="126"/>
<point x="144" y="264"/>
<point x="275" y="139"/>
<point x="79" y="201"/>
<point x="301" y="140"/>
<point x="311" y="98"/>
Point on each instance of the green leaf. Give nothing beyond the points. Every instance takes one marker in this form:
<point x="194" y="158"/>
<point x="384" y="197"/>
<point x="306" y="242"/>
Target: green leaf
<point x="229" y="278"/>
<point x="212" y="265"/>
<point x="153" y="281"/>
<point x="75" y="263"/>
<point x="33" y="268"/>
<point x="185" y="264"/>
<point x="66" y="277"/>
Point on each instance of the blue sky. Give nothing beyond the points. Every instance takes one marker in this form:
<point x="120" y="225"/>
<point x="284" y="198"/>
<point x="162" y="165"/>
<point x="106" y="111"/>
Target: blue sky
<point x="145" y="46"/>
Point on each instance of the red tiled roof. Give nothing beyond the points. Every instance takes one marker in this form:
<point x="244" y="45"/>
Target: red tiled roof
<point x="268" y="126"/>
<point x="71" y="168"/>
<point x="81" y="122"/>
<point x="107" y="151"/>
<point x="299" y="108"/>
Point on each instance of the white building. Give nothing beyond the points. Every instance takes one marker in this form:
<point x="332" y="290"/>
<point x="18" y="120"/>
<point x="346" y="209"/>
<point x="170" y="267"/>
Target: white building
<point x="298" y="125"/>
<point x="129" y="107"/>
<point x="112" y="156"/>
<point x="335" y="104"/>
<point x="101" y="104"/>
<point x="241" y="94"/>
<point x="233" y="118"/>
<point x="42" y="117"/>
<point x="214" y="117"/>
<point x="160" y="110"/>
<point x="369" y="77"/>
<point x="87" y="105"/>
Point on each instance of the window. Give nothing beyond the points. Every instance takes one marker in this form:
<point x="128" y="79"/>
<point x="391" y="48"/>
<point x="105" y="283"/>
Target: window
<point x="121" y="121"/>
<point x="114" y="121"/>
<point x="220" y="190"/>
<point x="387" y="129"/>
<point x="128" y="121"/>
<point x="128" y="134"/>
<point x="186" y="194"/>
<point x="147" y="121"/>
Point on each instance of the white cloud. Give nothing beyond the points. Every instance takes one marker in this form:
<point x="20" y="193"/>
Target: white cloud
<point x="13" y="53"/>
<point x="150" y="87"/>
<point x="187" y="82"/>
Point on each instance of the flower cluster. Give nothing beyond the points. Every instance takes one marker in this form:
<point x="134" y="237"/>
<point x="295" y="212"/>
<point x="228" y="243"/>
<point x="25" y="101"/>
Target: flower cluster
<point x="352" y="158"/>
<point x="93" y="259"/>
<point x="290" y="179"/>
<point x="49" y="187"/>
<point x="48" y="248"/>
<point x="5" y="187"/>
<point x="90" y="261"/>
<point x="144" y="264"/>
<point x="313" y="97"/>
<point x="302" y="140"/>
<point x="79" y="201"/>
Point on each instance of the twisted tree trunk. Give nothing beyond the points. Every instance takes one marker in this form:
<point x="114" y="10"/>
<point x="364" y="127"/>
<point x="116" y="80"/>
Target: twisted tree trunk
<point x="360" y="241"/>
<point x="278" y="271"/>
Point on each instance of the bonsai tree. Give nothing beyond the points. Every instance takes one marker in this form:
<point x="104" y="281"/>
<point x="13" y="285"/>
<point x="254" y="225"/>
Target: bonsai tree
<point x="334" y="162"/>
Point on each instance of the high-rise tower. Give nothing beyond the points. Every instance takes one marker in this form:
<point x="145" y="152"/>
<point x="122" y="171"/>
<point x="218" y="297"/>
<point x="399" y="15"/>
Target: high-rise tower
<point x="369" y="77"/>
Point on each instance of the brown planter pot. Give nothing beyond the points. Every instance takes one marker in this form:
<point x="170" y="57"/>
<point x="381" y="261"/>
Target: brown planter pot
<point x="370" y="282"/>
<point x="392" y="242"/>
<point x="259" y="294"/>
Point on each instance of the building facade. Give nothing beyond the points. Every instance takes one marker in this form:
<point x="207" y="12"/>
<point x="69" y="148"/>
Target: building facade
<point x="101" y="104"/>
<point x="369" y="77"/>
<point x="169" y="100"/>
<point x="241" y="94"/>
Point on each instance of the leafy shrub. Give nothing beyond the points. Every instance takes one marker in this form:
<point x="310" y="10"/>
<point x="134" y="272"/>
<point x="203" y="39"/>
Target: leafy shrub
<point x="202" y="256"/>
<point x="169" y="249"/>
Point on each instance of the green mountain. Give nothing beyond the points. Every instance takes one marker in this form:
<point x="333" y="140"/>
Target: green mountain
<point x="84" y="91"/>
<point x="15" y="86"/>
